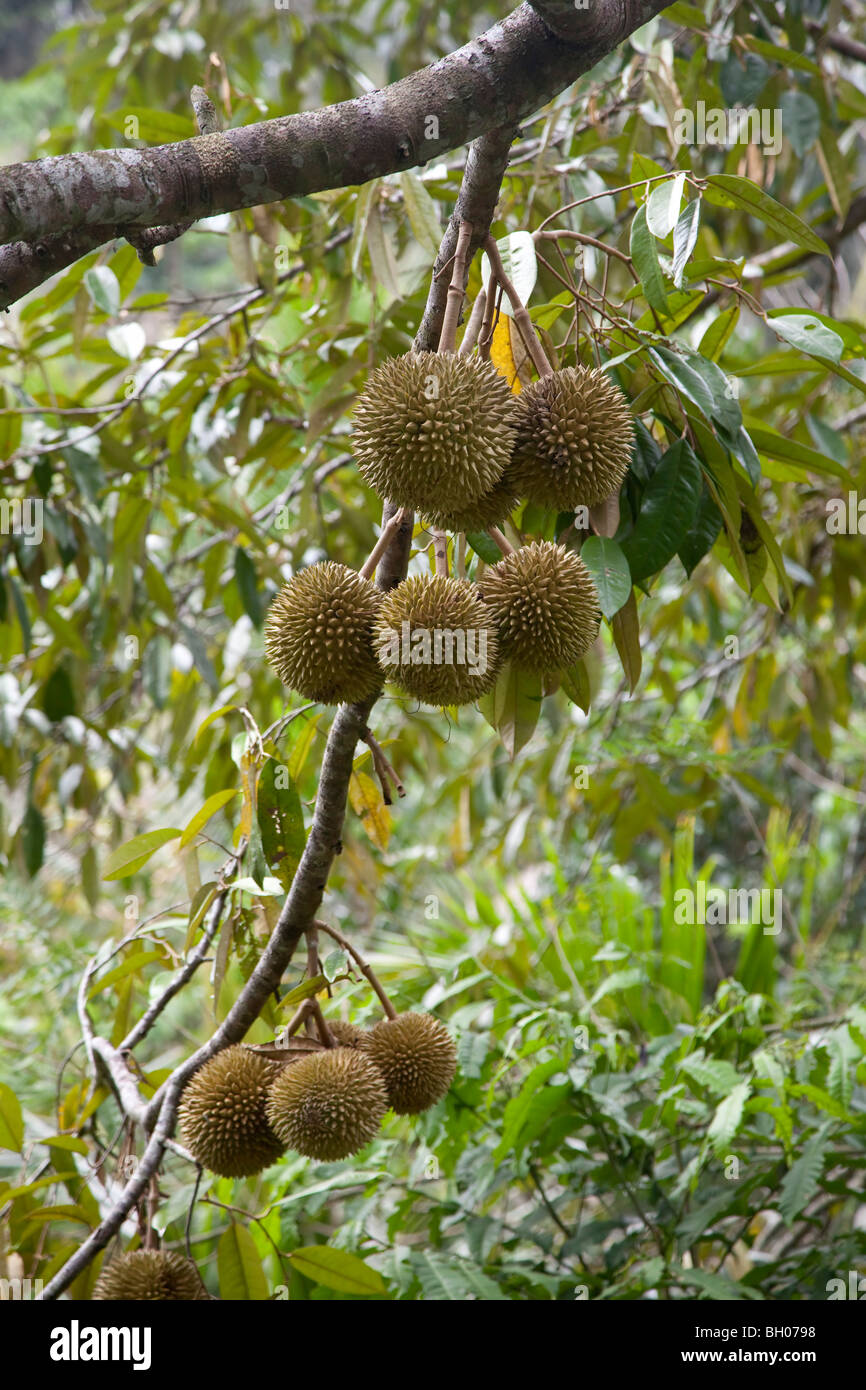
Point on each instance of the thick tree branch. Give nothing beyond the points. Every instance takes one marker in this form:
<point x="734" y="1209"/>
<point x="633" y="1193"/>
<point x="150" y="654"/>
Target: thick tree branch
<point x="496" y="80"/>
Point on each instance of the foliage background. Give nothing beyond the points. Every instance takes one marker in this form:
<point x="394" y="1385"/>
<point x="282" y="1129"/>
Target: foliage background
<point x="642" y="1108"/>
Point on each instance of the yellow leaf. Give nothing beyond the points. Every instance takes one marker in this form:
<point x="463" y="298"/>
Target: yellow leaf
<point x="507" y="352"/>
<point x="368" y="803"/>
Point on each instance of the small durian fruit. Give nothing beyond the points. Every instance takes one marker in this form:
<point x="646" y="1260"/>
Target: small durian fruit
<point x="150" y="1275"/>
<point x="545" y="606"/>
<point x="490" y="509"/>
<point x="417" y="1058"/>
<point x="433" y="430"/>
<point x="318" y="634"/>
<point x="436" y="640"/>
<point x="574" y="435"/>
<point x="222" y="1114"/>
<point x="328" y="1105"/>
<point x="344" y="1034"/>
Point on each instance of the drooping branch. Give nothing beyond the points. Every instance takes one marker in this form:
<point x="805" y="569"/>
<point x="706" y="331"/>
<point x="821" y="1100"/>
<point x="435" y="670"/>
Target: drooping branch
<point x="542" y="67"/>
<point x="494" y="81"/>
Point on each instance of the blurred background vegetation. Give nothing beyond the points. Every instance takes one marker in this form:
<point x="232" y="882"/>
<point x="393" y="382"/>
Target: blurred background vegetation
<point x="643" y="1108"/>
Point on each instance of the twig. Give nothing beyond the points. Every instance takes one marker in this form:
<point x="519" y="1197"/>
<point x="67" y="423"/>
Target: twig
<point x="504" y="545"/>
<point x="365" y="969"/>
<point x="440" y="551"/>
<point x="454" y="302"/>
<point x="473" y="327"/>
<point x="368" y="568"/>
<point x="521" y="316"/>
<point x="381" y="762"/>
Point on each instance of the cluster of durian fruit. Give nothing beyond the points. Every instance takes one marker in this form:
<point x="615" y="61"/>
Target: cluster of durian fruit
<point x="442" y="435"/>
<point x="242" y="1110"/>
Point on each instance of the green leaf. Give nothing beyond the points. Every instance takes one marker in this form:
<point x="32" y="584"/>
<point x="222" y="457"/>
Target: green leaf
<point x="726" y="1121"/>
<point x="128" y="858"/>
<point x="422" y="212"/>
<point x="778" y="446"/>
<point x="717" y="1076"/>
<point x="575" y="683"/>
<point x="626" y="636"/>
<point x="452" y="1280"/>
<point x="32" y="839"/>
<point x="663" y="206"/>
<point x="809" y="335"/>
<point x="702" y="535"/>
<point x="741" y="84"/>
<point x="334" y="964"/>
<point x="801" y="120"/>
<point x="303" y="991"/>
<point x="246" y="580"/>
<point x="58" y="697"/>
<point x="517" y="1109"/>
<point x="203" y="814"/>
<point x="685" y="238"/>
<point x="731" y="191"/>
<point x="678" y="370"/>
<point x="646" y="261"/>
<point x="512" y="707"/>
<point x="281" y="821"/>
<point x="519" y="262"/>
<point x="610" y="572"/>
<point x="103" y="289"/>
<point x="339" y="1270"/>
<point x="803" y="1177"/>
<point x="487" y="549"/>
<point x="137" y="961"/>
<point x="11" y="1120"/>
<point x="239" y="1264"/>
<point x="668" y="510"/>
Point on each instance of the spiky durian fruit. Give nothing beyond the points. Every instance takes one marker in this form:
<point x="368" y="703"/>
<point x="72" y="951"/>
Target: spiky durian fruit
<point x="417" y="1058"/>
<point x="435" y="638"/>
<point x="345" y="1034"/>
<point x="545" y="606"/>
<point x="150" y="1275"/>
<point x="574" y="435"/>
<point x="489" y="509"/>
<point x="433" y="430"/>
<point x="328" y="1105"/>
<point x="318" y="634"/>
<point x="222" y="1114"/>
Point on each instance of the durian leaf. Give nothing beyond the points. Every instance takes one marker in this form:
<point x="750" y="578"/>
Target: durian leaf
<point x="367" y="802"/>
<point x="281" y="822"/>
<point x="610" y="572"/>
<point x="127" y="859"/>
<point x="702" y="535"/>
<point x="484" y="547"/>
<point x="663" y="206"/>
<point x="11" y="1120"/>
<point x="685" y="238"/>
<point x="512" y="707"/>
<point x="422" y="213"/>
<point x="626" y="636"/>
<point x="646" y="261"/>
<point x="338" y="1270"/>
<point x="519" y="263"/>
<point x="668" y="509"/>
<point x="575" y="683"/>
<point x="204" y="813"/>
<point x="732" y="191"/>
<point x="242" y="1278"/>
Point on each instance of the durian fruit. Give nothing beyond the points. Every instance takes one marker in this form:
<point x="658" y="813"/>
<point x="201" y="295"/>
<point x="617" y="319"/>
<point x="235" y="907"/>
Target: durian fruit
<point x="318" y="634"/>
<point x="417" y="1058"/>
<point x="573" y="441"/>
<point x="435" y="638"/>
<point x="344" y="1034"/>
<point x="433" y="430"/>
<point x="150" y="1275"/>
<point x="222" y="1114"/>
<point x="328" y="1105"/>
<point x="490" y="509"/>
<point x="545" y="606"/>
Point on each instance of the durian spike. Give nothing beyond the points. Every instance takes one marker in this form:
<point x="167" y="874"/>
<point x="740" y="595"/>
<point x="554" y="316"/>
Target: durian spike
<point x="365" y="969"/>
<point x="521" y="316"/>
